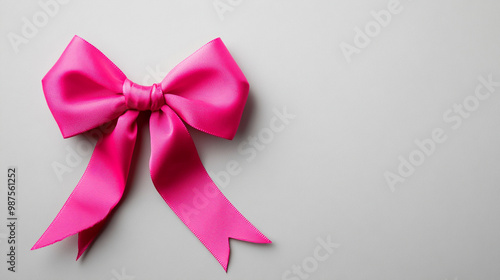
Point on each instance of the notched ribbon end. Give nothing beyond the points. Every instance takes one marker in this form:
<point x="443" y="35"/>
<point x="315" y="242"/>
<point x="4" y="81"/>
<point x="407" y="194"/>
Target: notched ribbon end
<point x="224" y="259"/>
<point x="38" y="246"/>
<point x="81" y="247"/>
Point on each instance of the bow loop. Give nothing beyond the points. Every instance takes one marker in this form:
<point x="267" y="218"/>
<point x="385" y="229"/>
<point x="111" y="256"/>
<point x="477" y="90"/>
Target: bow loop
<point x="208" y="90"/>
<point x="82" y="89"/>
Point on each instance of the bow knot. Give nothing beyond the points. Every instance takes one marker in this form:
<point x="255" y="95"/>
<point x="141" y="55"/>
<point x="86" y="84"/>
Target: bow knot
<point x="143" y="98"/>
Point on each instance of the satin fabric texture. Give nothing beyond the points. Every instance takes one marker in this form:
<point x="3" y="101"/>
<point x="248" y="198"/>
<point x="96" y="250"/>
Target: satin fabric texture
<point x="206" y="91"/>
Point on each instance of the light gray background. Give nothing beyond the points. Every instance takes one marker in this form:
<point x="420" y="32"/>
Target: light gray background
<point x="323" y="175"/>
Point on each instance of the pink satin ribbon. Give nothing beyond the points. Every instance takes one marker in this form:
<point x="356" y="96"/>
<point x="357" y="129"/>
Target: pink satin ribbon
<point x="208" y="91"/>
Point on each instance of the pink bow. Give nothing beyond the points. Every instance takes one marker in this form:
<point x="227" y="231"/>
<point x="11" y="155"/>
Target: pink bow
<point x="208" y="91"/>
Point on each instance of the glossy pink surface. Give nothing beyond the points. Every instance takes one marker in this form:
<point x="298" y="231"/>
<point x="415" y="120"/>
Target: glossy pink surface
<point x="208" y="91"/>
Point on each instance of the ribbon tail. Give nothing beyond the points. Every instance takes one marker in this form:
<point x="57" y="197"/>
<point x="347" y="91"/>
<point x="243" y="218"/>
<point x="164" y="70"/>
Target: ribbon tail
<point x="182" y="181"/>
<point x="87" y="236"/>
<point x="99" y="190"/>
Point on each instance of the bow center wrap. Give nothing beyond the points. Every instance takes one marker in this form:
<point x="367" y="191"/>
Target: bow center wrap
<point x="206" y="91"/>
<point x="142" y="98"/>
